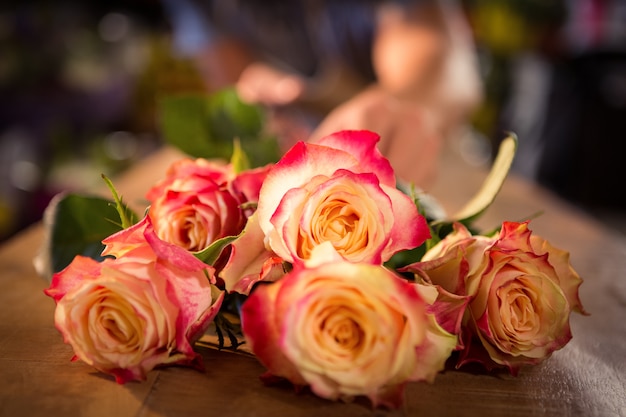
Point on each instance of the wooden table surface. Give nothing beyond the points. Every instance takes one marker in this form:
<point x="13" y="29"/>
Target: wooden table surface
<point x="586" y="378"/>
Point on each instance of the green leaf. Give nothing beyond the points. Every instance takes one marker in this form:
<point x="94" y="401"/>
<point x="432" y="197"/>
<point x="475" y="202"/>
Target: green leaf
<point x="228" y="117"/>
<point x="205" y="126"/>
<point x="492" y="184"/>
<point x="239" y="160"/>
<point x="183" y="123"/>
<point x="127" y="216"/>
<point x="262" y="151"/>
<point x="77" y="224"/>
<point x="406" y="257"/>
<point x="213" y="251"/>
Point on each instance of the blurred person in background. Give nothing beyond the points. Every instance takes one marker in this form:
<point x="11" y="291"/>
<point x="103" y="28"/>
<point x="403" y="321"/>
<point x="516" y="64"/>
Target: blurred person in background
<point x="404" y="69"/>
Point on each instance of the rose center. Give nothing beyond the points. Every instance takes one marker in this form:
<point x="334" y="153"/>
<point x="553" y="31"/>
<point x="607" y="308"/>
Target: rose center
<point x="113" y="330"/>
<point x="343" y="334"/>
<point x="114" y="324"/>
<point x="338" y="222"/>
<point x="518" y="310"/>
<point x="191" y="231"/>
<point x="522" y="310"/>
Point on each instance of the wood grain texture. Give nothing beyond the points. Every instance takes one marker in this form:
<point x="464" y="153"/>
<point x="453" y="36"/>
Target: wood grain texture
<point x="586" y="378"/>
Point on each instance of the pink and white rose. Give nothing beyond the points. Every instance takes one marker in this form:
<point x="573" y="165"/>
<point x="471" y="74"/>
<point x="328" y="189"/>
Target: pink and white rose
<point x="341" y="190"/>
<point x="346" y="329"/>
<point x="201" y="201"/>
<point x="522" y="291"/>
<point x="144" y="308"/>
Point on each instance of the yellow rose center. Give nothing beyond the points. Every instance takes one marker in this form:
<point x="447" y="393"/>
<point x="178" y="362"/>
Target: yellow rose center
<point x="523" y="316"/>
<point x="187" y="229"/>
<point x="341" y="332"/>
<point x="114" y="324"/>
<point x="344" y="218"/>
<point x="520" y="315"/>
<point x="337" y="223"/>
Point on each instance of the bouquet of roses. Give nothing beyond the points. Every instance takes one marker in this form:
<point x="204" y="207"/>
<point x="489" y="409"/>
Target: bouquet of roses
<point x="321" y="265"/>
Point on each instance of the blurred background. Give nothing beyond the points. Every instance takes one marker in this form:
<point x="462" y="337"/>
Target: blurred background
<point x="79" y="83"/>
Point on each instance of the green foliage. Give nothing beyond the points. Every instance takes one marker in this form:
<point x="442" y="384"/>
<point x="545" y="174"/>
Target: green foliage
<point x="239" y="160"/>
<point x="127" y="216"/>
<point x="229" y="117"/>
<point x="205" y="126"/>
<point x="406" y="257"/>
<point x="488" y="192"/>
<point x="440" y="225"/>
<point x="78" y="224"/>
<point x="211" y="254"/>
<point x="492" y="184"/>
